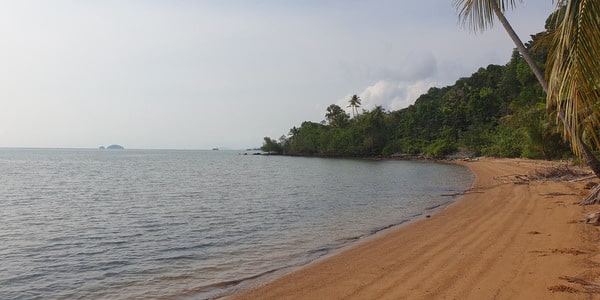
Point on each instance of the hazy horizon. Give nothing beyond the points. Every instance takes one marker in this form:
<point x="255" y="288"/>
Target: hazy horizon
<point x="126" y="148"/>
<point x="198" y="75"/>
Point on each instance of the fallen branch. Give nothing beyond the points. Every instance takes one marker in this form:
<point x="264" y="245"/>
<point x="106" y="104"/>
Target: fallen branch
<point x="558" y="194"/>
<point x="583" y="178"/>
<point x="593" y="218"/>
<point x="590" y="287"/>
<point x="514" y="178"/>
<point x="593" y="197"/>
<point x="562" y="172"/>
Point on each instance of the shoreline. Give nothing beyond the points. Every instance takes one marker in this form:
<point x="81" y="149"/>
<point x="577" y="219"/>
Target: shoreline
<point x="500" y="240"/>
<point x="339" y="246"/>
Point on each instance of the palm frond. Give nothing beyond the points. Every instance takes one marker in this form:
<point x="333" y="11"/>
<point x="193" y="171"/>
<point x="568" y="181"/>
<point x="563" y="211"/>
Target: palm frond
<point x="574" y="71"/>
<point x="478" y="15"/>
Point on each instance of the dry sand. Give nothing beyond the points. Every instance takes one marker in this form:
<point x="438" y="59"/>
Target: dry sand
<point x="502" y="240"/>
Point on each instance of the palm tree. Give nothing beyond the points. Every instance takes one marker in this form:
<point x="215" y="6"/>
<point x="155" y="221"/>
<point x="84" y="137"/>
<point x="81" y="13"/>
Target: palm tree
<point x="336" y="116"/>
<point x="574" y="72"/>
<point x="574" y="68"/>
<point x="355" y="104"/>
<point x="479" y="16"/>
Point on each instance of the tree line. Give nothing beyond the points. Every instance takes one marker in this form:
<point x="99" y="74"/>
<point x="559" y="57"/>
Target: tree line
<point x="497" y="111"/>
<point x="500" y="111"/>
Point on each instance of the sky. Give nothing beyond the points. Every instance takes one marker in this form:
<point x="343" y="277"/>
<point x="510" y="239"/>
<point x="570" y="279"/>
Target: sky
<point x="182" y="74"/>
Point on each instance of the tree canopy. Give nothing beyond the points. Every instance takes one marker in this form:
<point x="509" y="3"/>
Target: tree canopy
<point x="497" y="111"/>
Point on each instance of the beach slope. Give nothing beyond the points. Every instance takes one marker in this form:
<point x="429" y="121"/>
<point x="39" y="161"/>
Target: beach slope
<point x="505" y="239"/>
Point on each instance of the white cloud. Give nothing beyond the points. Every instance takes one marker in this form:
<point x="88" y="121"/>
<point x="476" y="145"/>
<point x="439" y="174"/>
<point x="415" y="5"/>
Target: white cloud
<point x="399" y="82"/>
<point x="394" y="95"/>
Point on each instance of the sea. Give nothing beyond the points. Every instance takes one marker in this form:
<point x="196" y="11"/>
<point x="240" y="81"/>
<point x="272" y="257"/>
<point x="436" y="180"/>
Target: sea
<point x="183" y="224"/>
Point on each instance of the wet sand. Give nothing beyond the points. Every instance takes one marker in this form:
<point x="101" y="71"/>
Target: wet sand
<point x="505" y="239"/>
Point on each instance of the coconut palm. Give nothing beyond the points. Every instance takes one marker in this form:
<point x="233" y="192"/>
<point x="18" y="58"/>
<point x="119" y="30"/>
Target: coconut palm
<point x="574" y="69"/>
<point x="479" y="15"/>
<point x="336" y="116"/>
<point x="355" y="104"/>
<point x="574" y="75"/>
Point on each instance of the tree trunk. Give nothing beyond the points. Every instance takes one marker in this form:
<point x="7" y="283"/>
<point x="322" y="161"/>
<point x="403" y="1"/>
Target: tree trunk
<point x="591" y="159"/>
<point x="586" y="152"/>
<point x="513" y="35"/>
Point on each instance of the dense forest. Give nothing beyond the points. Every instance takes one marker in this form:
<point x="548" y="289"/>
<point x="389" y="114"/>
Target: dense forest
<point x="497" y="111"/>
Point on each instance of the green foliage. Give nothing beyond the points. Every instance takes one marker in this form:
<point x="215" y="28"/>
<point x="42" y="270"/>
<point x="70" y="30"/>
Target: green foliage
<point x="393" y="147"/>
<point x="271" y="146"/>
<point x="440" y="148"/>
<point x="336" y="116"/>
<point x="503" y="143"/>
<point x="497" y="111"/>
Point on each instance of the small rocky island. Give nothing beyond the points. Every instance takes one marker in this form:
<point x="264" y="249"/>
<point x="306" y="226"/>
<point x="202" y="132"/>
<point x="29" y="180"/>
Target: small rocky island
<point x="112" y="147"/>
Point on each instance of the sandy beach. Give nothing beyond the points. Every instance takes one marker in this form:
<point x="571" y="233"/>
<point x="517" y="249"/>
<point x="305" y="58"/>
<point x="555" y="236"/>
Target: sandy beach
<point x="506" y="238"/>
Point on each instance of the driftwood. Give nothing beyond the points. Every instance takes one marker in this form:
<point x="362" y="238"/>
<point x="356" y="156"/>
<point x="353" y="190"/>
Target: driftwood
<point x="562" y="173"/>
<point x="559" y="173"/>
<point x="583" y="178"/>
<point x="590" y="185"/>
<point x="593" y="197"/>
<point x="593" y="218"/>
<point x="514" y="178"/>
<point x="555" y="194"/>
<point x="590" y="287"/>
<point x="563" y="289"/>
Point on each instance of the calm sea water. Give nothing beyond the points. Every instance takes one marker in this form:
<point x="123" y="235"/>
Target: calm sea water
<point x="191" y="224"/>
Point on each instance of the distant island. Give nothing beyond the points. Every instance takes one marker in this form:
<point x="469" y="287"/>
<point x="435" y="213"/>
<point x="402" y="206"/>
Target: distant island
<point x="112" y="147"/>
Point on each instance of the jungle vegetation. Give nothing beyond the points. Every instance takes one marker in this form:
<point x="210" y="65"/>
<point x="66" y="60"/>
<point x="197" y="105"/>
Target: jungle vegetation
<point x="497" y="111"/>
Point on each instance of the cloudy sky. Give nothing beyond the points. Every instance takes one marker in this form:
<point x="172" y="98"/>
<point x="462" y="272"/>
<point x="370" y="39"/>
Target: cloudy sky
<point x="183" y="74"/>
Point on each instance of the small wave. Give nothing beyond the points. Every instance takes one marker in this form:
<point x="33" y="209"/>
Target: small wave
<point x="175" y="258"/>
<point x="21" y="278"/>
<point x="382" y="228"/>
<point x="350" y="239"/>
<point x="176" y="277"/>
<point x="105" y="265"/>
<point x="94" y="252"/>
<point x="218" y="289"/>
<point x="200" y="230"/>
<point x="438" y="205"/>
<point x="54" y="247"/>
<point x="320" y="251"/>
<point x="188" y="248"/>
<point x="113" y="243"/>
<point x="127" y="236"/>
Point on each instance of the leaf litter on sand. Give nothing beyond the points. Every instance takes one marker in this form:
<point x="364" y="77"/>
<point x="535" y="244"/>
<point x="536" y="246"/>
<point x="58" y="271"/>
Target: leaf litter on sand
<point x="590" y="287"/>
<point x="562" y="289"/>
<point x="554" y="173"/>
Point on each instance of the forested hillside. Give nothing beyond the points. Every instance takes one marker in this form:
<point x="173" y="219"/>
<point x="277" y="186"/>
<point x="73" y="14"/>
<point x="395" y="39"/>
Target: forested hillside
<point x="497" y="111"/>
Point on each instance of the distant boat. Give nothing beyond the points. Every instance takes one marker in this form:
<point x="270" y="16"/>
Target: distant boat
<point x="215" y="149"/>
